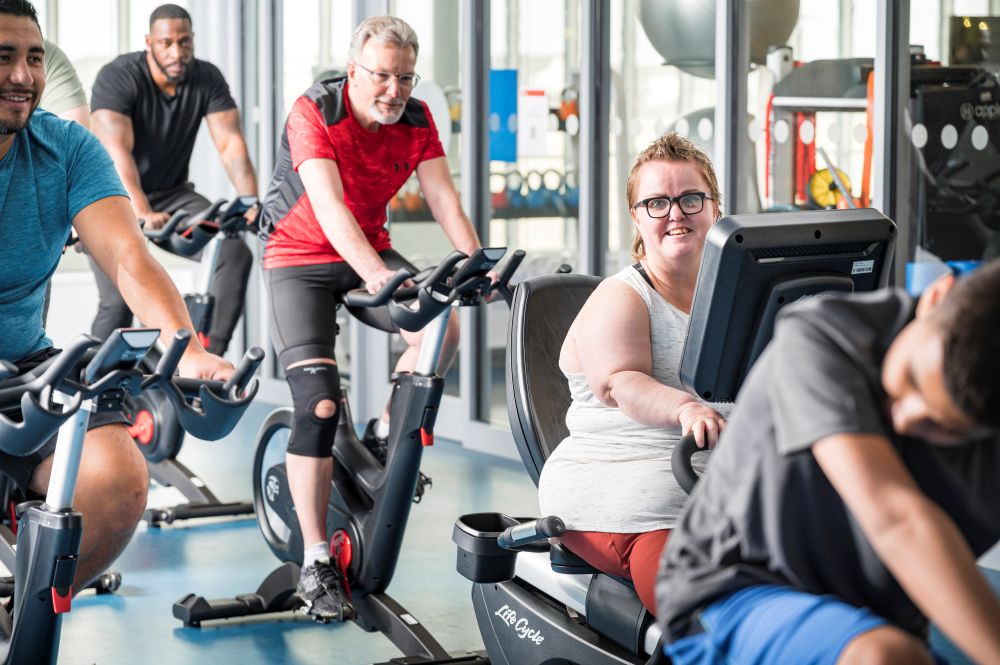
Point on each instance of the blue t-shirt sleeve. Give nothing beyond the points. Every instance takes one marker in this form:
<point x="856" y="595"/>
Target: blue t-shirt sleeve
<point x="90" y="173"/>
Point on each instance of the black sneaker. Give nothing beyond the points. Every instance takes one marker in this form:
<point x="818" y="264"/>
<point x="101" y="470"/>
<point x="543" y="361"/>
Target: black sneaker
<point x="321" y="591"/>
<point x="377" y="446"/>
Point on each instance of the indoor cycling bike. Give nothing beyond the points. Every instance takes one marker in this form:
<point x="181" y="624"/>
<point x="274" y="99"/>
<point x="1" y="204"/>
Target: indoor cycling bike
<point x="155" y="427"/>
<point x="60" y="395"/>
<point x="370" y="500"/>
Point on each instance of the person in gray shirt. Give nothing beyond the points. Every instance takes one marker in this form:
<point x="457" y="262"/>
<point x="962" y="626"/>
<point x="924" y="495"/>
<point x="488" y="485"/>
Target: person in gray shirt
<point x="852" y="491"/>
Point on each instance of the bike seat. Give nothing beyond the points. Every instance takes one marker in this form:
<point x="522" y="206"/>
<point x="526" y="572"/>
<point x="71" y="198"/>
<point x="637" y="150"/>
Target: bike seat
<point x="565" y="561"/>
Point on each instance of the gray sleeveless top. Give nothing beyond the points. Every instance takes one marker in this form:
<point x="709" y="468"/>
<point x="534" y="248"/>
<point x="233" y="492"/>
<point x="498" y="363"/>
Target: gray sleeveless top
<point x="611" y="473"/>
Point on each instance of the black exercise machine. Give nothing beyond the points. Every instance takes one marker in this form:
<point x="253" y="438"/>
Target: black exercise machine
<point x="155" y="427"/>
<point x="370" y="500"/>
<point x="538" y="603"/>
<point x="60" y="395"/>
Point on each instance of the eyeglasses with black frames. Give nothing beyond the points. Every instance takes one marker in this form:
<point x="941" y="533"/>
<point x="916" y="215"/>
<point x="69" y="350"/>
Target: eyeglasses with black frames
<point x="690" y="203"/>
<point x="384" y="79"/>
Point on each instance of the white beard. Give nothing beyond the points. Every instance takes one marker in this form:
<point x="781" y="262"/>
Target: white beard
<point x="385" y="118"/>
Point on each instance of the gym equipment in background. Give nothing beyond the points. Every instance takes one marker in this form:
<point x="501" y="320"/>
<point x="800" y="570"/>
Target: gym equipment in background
<point x="155" y="427"/>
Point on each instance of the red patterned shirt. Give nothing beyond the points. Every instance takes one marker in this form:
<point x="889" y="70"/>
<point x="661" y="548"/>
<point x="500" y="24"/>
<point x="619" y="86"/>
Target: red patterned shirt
<point x="373" y="166"/>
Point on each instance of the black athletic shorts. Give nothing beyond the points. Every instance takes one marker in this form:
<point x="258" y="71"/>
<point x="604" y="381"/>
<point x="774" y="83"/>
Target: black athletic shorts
<point x="19" y="469"/>
<point x="304" y="302"/>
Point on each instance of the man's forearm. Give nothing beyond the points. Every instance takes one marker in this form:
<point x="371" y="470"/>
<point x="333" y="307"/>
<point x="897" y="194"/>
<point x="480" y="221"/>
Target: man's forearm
<point x="928" y="556"/>
<point x="129" y="174"/>
<point x="152" y="295"/>
<point x="459" y="230"/>
<point x="346" y="237"/>
<point x="240" y="170"/>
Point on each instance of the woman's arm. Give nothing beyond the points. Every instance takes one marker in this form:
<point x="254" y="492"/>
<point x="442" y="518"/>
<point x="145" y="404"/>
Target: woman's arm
<point x="610" y="343"/>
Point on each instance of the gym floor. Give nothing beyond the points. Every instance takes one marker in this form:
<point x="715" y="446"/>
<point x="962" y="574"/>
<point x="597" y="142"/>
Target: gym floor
<point x="227" y="556"/>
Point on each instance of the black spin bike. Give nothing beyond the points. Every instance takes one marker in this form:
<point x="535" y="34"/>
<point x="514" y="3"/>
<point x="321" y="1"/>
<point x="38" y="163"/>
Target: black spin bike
<point x="155" y="428"/>
<point x="60" y="395"/>
<point x="371" y="499"/>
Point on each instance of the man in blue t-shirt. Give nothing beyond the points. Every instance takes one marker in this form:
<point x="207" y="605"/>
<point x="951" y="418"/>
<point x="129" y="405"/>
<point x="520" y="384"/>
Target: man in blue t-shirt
<point x="53" y="175"/>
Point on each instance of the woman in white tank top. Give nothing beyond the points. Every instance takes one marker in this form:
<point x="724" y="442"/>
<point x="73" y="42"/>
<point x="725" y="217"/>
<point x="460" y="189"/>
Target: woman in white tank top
<point x="610" y="479"/>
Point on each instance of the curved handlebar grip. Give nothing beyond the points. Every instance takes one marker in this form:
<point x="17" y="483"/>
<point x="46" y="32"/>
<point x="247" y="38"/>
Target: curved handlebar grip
<point x="361" y="298"/>
<point x="64" y="364"/>
<point x="680" y="463"/>
<point x="444" y="269"/>
<point x="529" y="533"/>
<point x="406" y="293"/>
<point x="169" y="360"/>
<point x="512" y="265"/>
<point x="244" y="371"/>
<point x="564" y="268"/>
<point x="164" y="231"/>
<point x="502" y="285"/>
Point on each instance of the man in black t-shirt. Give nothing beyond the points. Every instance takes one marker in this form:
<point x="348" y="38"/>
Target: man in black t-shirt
<point x="853" y="489"/>
<point x="146" y="110"/>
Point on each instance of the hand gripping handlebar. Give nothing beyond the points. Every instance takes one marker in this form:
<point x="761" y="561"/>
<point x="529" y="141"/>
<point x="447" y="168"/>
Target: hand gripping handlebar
<point x="218" y="408"/>
<point x="457" y="277"/>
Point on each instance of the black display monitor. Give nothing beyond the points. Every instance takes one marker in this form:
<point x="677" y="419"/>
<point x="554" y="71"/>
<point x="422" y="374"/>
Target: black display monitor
<point x="754" y="265"/>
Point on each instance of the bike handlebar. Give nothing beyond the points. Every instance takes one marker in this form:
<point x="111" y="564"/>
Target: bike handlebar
<point x="680" y="463"/>
<point x="457" y="277"/>
<point x="185" y="234"/>
<point x="218" y="408"/>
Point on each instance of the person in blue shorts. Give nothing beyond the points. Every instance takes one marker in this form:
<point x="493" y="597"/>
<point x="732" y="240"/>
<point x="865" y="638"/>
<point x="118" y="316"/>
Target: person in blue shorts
<point x="856" y="483"/>
<point x="55" y="175"/>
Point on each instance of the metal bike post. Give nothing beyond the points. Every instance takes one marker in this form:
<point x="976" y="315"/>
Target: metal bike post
<point x="66" y="460"/>
<point x="430" y="347"/>
<point x="209" y="260"/>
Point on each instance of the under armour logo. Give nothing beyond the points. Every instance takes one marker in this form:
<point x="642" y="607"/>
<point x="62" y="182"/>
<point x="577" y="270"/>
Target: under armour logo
<point x="313" y="370"/>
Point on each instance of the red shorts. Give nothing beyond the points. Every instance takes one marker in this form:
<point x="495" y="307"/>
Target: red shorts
<point x="635" y="556"/>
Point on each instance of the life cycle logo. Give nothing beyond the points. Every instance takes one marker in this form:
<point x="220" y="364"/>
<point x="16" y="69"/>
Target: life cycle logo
<point x="966" y="111"/>
<point x="520" y="626"/>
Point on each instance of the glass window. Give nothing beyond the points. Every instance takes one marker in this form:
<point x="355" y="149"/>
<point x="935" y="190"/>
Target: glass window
<point x="88" y="33"/>
<point x="311" y="54"/>
<point x="415" y="234"/>
<point x="533" y="185"/>
<point x="661" y="80"/>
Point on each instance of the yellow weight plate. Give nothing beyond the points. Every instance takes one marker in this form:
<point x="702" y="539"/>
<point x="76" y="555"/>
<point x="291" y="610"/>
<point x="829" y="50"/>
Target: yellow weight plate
<point x="823" y="190"/>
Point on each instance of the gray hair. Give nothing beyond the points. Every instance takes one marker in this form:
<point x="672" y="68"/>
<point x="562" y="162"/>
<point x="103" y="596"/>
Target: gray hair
<point x="384" y="30"/>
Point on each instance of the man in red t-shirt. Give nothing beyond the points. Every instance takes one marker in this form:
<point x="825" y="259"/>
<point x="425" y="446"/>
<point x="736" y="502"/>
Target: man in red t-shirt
<point x="349" y="145"/>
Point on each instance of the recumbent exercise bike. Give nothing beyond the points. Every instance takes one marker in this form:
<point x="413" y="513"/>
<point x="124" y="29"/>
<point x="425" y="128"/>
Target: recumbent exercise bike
<point x="538" y="603"/>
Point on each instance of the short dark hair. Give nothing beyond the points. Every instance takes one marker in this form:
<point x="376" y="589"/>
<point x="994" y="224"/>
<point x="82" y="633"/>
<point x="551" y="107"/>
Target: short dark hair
<point x="970" y="319"/>
<point x="168" y="12"/>
<point x="19" y="8"/>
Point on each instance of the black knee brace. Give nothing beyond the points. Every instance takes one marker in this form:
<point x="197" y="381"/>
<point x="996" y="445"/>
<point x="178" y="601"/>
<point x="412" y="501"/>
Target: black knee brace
<point x="311" y="384"/>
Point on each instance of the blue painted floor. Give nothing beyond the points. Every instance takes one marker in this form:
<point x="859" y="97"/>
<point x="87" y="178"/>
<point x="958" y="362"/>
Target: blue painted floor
<point x="224" y="557"/>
